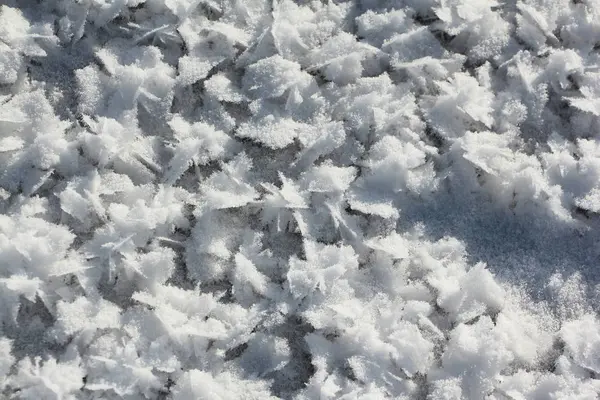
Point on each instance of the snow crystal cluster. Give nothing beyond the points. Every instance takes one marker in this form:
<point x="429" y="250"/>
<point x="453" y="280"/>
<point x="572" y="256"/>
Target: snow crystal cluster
<point x="288" y="199"/>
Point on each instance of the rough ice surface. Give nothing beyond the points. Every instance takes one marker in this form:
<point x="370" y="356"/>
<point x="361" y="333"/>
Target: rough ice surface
<point x="296" y="199"/>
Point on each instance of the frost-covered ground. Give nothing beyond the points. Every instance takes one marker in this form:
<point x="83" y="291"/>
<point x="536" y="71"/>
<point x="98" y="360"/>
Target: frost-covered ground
<point x="262" y="199"/>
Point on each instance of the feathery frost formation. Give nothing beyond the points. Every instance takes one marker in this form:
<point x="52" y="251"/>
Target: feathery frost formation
<point x="263" y="199"/>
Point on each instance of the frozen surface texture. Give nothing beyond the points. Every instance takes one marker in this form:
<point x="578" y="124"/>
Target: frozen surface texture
<point x="303" y="200"/>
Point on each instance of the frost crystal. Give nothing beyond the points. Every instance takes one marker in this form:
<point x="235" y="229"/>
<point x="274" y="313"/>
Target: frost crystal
<point x="285" y="199"/>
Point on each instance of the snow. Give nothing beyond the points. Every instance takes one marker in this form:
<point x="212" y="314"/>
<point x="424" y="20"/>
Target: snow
<point x="227" y="199"/>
